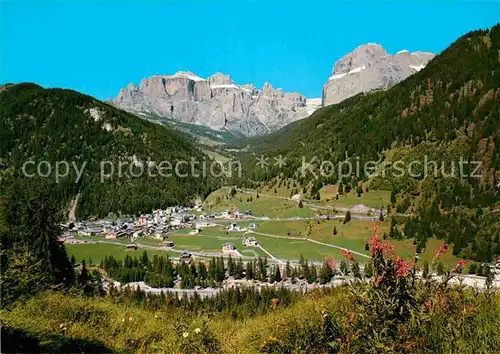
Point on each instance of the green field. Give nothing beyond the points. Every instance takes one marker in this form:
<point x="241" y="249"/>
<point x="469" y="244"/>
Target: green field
<point x="284" y="227"/>
<point x="293" y="249"/>
<point x="97" y="251"/>
<point x="407" y="247"/>
<point x="373" y="198"/>
<point x="202" y="243"/>
<point x="352" y="235"/>
<point x="220" y="200"/>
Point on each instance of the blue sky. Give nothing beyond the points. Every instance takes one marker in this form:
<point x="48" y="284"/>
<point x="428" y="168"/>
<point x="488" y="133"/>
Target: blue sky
<point x="97" y="47"/>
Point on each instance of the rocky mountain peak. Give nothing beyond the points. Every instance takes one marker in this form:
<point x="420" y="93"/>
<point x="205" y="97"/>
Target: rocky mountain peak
<point x="369" y="67"/>
<point x="359" y="59"/>
<point x="220" y="79"/>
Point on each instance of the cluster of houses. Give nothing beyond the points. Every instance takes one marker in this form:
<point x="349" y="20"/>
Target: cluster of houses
<point x="157" y="225"/>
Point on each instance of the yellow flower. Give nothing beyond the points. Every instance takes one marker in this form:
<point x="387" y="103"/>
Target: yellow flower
<point x="197" y="330"/>
<point x="185" y="334"/>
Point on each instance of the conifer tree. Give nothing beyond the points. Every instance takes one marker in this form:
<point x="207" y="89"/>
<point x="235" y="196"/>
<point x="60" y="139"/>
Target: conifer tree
<point x="347" y="217"/>
<point x="277" y="275"/>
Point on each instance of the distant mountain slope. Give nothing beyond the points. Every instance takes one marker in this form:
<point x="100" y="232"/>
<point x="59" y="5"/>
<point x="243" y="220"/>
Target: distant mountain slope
<point x="216" y="102"/>
<point x="448" y="111"/>
<point x="56" y="125"/>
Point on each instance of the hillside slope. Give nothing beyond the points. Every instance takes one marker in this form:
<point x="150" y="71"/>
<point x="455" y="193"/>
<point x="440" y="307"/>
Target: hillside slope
<point x="48" y="127"/>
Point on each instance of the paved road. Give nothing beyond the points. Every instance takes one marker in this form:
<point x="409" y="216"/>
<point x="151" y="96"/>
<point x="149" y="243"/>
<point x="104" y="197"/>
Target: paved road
<point x="311" y="240"/>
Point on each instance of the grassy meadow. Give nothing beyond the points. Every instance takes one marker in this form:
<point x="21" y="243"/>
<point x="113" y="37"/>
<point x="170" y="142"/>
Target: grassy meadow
<point x="220" y="200"/>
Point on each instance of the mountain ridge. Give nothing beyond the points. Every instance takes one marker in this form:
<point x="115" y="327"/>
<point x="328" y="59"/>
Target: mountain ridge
<point x="216" y="102"/>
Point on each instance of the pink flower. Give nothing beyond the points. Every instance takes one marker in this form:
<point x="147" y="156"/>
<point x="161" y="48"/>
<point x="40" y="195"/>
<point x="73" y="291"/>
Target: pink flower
<point x="460" y="265"/>
<point x="338" y="340"/>
<point x="403" y="267"/>
<point x="378" y="280"/>
<point x="440" y="251"/>
<point x="331" y="263"/>
<point x="378" y="247"/>
<point x="428" y="303"/>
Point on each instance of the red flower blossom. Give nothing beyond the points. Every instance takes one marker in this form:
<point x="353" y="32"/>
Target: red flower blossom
<point x="428" y="303"/>
<point x="348" y="256"/>
<point x="440" y="251"/>
<point x="402" y="267"/>
<point x="460" y="265"/>
<point x="338" y="340"/>
<point x="378" y="280"/>
<point x="378" y="247"/>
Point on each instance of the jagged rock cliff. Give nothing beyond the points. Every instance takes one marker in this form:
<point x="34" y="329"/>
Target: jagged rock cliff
<point x="369" y="67"/>
<point x="216" y="102"/>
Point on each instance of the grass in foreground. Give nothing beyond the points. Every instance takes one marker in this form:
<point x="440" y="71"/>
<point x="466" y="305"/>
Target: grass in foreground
<point x="458" y="322"/>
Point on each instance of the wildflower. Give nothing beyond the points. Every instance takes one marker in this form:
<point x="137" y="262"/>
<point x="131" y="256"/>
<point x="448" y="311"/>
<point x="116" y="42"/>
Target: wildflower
<point x="428" y="303"/>
<point x="460" y="265"/>
<point x="274" y="303"/>
<point x="402" y="267"/>
<point x="338" y="340"/>
<point x="185" y="334"/>
<point x="378" y="280"/>
<point x="378" y="247"/>
<point x="61" y="325"/>
<point x="331" y="263"/>
<point x="123" y="320"/>
<point x="440" y="251"/>
<point x="348" y="255"/>
<point x="197" y="330"/>
<point x="130" y="318"/>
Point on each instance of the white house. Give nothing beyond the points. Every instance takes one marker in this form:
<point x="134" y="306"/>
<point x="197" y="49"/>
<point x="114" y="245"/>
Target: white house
<point x="199" y="225"/>
<point x="250" y="241"/>
<point x="237" y="228"/>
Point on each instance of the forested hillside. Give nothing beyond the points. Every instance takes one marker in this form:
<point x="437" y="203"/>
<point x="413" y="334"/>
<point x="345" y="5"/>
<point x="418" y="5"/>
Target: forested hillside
<point x="446" y="112"/>
<point x="56" y="125"/>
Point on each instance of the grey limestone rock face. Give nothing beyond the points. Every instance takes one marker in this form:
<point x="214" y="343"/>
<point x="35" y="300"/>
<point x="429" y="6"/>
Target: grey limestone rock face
<point x="216" y="102"/>
<point x="369" y="67"/>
